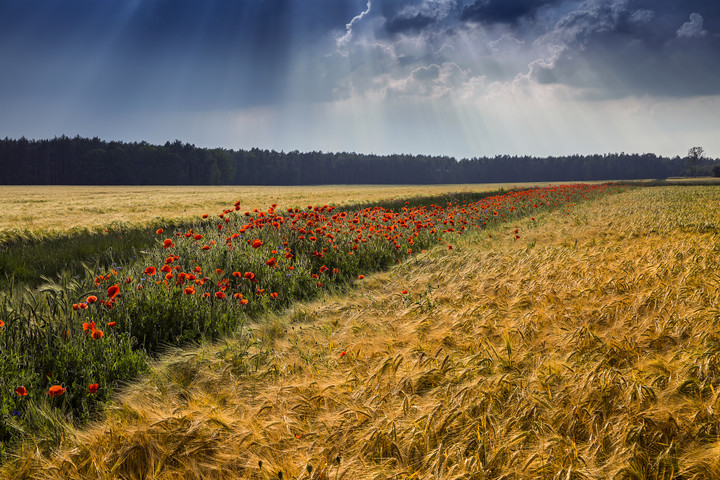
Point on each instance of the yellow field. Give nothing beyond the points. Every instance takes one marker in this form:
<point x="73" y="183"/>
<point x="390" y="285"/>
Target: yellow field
<point x="38" y="208"/>
<point x="589" y="348"/>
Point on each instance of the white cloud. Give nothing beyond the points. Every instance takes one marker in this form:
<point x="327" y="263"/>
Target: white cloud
<point x="693" y="28"/>
<point x="343" y="41"/>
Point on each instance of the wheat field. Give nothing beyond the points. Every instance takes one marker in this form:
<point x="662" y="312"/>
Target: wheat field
<point x="61" y="208"/>
<point x="587" y="348"/>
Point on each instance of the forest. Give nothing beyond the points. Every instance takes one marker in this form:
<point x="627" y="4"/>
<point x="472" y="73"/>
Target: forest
<point x="83" y="161"/>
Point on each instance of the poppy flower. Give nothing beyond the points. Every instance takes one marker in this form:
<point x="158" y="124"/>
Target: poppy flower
<point x="189" y="291"/>
<point x="205" y="215"/>
<point x="97" y="334"/>
<point x="220" y="294"/>
<point x="168" y="243"/>
<point x="166" y="268"/>
<point x="93" y="388"/>
<point x="244" y="301"/>
<point x="112" y="324"/>
<point x="198" y="236"/>
<point x="2" y="324"/>
<point x="21" y="391"/>
<point x="272" y="262"/>
<point x="206" y="295"/>
<point x="150" y="271"/>
<point x="206" y="247"/>
<point x="343" y="353"/>
<point x="257" y="243"/>
<point x="238" y="296"/>
<point x="197" y="270"/>
<point x="218" y="271"/>
<point x="55" y="391"/>
<point x="91" y="299"/>
<point x="360" y="277"/>
<point x="159" y="231"/>
<point x="113" y="291"/>
<point x="404" y="292"/>
<point x="83" y="306"/>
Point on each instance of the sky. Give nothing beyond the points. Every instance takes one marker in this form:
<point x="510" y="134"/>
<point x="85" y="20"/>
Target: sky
<point x="462" y="78"/>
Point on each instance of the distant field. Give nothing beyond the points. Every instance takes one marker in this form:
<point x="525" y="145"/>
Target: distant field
<point x="42" y="208"/>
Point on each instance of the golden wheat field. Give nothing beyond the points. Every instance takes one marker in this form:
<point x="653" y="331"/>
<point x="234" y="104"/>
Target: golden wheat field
<point x="587" y="349"/>
<point x="61" y="208"/>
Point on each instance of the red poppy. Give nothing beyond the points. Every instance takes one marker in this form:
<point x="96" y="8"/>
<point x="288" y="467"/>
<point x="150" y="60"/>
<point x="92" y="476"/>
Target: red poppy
<point x="360" y="277"/>
<point x="21" y="391"/>
<point x="83" y="306"/>
<point x="150" y="271"/>
<point x="159" y="231"/>
<point x="198" y="236"/>
<point x="220" y="294"/>
<point x="189" y="291"/>
<point x="113" y="291"/>
<point x="206" y="247"/>
<point x="166" y="268"/>
<point x="404" y="292"/>
<point x="343" y="353"/>
<point x="168" y="276"/>
<point x="197" y="270"/>
<point x="89" y="326"/>
<point x="218" y="271"/>
<point x="2" y="324"/>
<point x="272" y="262"/>
<point x="206" y="295"/>
<point x="55" y="391"/>
<point x="167" y="243"/>
<point x="238" y="296"/>
<point x="112" y="324"/>
<point x="91" y="299"/>
<point x="244" y="301"/>
<point x="257" y="243"/>
<point x="93" y="388"/>
<point x="97" y="334"/>
<point x="205" y="215"/>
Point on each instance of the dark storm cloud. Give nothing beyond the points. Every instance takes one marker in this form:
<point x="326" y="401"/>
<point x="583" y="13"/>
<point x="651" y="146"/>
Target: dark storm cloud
<point x="621" y="48"/>
<point x="502" y="11"/>
<point x="414" y="22"/>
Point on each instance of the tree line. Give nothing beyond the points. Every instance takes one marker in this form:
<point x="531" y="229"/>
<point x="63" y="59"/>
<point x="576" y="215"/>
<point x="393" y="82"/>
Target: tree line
<point x="83" y="161"/>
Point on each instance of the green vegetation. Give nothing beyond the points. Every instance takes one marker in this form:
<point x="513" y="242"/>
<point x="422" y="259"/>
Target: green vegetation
<point x="81" y="161"/>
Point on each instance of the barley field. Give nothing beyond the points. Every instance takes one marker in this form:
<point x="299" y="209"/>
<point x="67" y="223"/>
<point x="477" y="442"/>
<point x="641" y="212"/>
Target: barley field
<point x="574" y="343"/>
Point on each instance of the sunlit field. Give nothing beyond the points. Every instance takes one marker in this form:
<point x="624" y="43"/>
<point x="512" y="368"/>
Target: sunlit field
<point x="45" y="231"/>
<point x="556" y="334"/>
<point x="59" y="208"/>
